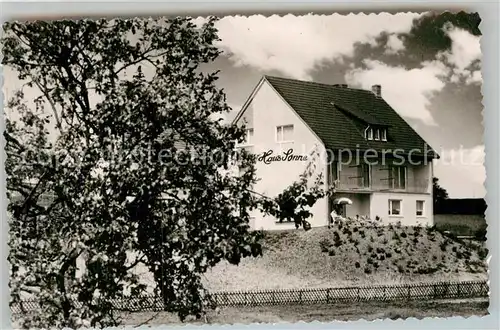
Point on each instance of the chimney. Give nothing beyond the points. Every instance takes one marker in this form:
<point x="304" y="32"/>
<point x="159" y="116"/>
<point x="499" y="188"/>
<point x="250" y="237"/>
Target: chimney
<point x="377" y="90"/>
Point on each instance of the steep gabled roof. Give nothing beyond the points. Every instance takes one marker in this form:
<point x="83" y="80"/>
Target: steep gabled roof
<point x="337" y="115"/>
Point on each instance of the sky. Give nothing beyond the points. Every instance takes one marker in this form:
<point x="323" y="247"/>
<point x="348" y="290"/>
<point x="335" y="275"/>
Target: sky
<point x="429" y="67"/>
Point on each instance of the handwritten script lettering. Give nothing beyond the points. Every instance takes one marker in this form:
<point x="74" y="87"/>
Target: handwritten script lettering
<point x="267" y="157"/>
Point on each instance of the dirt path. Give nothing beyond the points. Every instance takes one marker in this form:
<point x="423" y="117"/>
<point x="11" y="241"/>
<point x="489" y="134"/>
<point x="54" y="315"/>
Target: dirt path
<point x="325" y="313"/>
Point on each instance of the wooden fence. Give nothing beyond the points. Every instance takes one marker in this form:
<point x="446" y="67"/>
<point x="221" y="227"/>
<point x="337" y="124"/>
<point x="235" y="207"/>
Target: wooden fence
<point x="424" y="291"/>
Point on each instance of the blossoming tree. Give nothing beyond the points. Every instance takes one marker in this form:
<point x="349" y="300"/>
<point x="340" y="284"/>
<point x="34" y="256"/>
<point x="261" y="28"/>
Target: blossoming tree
<point x="115" y="99"/>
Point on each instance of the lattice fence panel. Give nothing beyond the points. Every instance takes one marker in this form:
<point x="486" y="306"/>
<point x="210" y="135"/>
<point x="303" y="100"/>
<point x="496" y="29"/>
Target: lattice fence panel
<point x="426" y="291"/>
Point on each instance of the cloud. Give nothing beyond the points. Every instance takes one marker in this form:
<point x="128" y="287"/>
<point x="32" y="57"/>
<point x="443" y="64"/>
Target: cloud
<point x="462" y="172"/>
<point x="410" y="91"/>
<point x="394" y="45"/>
<point x="464" y="56"/>
<point x="407" y="91"/>
<point x="294" y="45"/>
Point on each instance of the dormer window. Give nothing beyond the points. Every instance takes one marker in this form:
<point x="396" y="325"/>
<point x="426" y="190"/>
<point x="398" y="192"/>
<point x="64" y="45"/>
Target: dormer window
<point x="377" y="134"/>
<point x="369" y="133"/>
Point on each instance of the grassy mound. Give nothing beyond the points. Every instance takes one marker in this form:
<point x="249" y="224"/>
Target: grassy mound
<point x="352" y="253"/>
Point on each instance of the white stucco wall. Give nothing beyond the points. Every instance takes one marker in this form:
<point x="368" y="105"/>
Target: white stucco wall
<point x="379" y="205"/>
<point x="264" y="113"/>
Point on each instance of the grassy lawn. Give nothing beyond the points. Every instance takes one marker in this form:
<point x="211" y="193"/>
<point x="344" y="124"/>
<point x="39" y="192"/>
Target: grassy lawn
<point x="351" y="255"/>
<point x="460" y="225"/>
<point x="323" y="313"/>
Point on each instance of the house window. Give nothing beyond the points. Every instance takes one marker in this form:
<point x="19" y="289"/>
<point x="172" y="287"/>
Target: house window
<point x="334" y="172"/>
<point x="397" y="177"/>
<point x="248" y="137"/>
<point x="284" y="133"/>
<point x="369" y="133"/>
<point x="377" y="134"/>
<point x="364" y="175"/>
<point x="420" y="208"/>
<point x="395" y="207"/>
<point x="384" y="134"/>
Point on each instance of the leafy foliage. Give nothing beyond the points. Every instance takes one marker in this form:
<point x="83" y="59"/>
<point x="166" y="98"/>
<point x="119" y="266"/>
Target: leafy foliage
<point x="438" y="192"/>
<point x="102" y="139"/>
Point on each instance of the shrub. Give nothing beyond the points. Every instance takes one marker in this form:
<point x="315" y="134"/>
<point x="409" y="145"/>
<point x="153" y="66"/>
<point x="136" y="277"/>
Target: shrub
<point x="375" y="264"/>
<point x="380" y="250"/>
<point x="331" y="252"/>
<point x="372" y="239"/>
<point x="442" y="246"/>
<point x="382" y="257"/>
<point x="355" y="229"/>
<point x="369" y="261"/>
<point x="403" y="234"/>
<point x="401" y="269"/>
<point x="357" y="264"/>
<point x="395" y="236"/>
<point x="426" y="270"/>
<point x="385" y="241"/>
<point x="434" y="257"/>
<point x="336" y="235"/>
<point x="368" y="270"/>
<point x="480" y="234"/>
<point x="482" y="253"/>
<point x="388" y="255"/>
<point x="370" y="248"/>
<point x="373" y="255"/>
<point x="325" y="245"/>
<point x="415" y="240"/>
<point x="454" y="249"/>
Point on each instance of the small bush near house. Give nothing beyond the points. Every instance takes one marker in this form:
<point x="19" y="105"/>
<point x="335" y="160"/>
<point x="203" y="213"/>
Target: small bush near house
<point x="324" y="245"/>
<point x="480" y="234"/>
<point x="482" y="253"/>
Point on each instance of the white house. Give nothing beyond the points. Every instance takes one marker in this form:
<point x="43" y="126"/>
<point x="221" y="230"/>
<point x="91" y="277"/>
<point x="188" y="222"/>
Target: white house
<point x="369" y="152"/>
